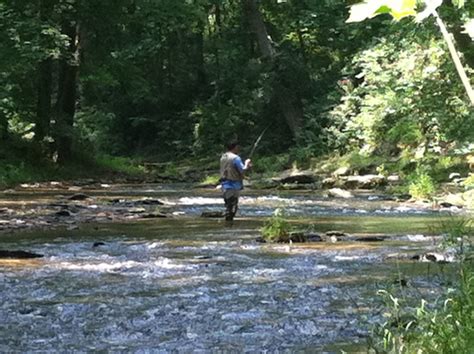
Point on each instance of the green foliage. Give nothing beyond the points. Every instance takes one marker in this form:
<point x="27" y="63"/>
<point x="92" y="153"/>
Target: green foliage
<point x="119" y="164"/>
<point x="441" y="326"/>
<point x="469" y="182"/>
<point x="168" y="80"/>
<point x="210" y="180"/>
<point x="398" y="9"/>
<point x="421" y="185"/>
<point x="446" y="329"/>
<point x="277" y="228"/>
<point x="270" y="164"/>
<point x="402" y="105"/>
<point x="456" y="231"/>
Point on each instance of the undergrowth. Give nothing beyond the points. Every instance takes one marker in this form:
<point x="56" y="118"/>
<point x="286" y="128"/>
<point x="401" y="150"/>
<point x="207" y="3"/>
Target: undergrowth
<point x="445" y="325"/>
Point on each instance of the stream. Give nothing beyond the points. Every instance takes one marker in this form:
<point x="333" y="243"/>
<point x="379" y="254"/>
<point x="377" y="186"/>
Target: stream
<point x="190" y="284"/>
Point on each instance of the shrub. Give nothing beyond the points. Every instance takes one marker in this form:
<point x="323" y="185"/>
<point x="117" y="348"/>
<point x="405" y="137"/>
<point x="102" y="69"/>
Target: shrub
<point x="277" y="228"/>
<point x="421" y="186"/>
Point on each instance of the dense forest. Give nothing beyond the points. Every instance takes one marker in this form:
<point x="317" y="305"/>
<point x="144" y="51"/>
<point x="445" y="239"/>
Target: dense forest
<point x="166" y="80"/>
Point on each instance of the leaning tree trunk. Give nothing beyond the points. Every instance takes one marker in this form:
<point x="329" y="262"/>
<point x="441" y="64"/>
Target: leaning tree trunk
<point x="66" y="104"/>
<point x="45" y="81"/>
<point x="290" y="105"/>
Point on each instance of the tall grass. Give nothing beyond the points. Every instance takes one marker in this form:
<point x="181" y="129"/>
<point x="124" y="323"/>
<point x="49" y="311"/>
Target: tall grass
<point x="443" y="326"/>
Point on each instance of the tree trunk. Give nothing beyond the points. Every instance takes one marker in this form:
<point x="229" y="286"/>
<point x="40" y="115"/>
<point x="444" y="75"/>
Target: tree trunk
<point x="290" y="105"/>
<point x="43" y="111"/>
<point x="45" y="82"/>
<point x="201" y="72"/>
<point x="66" y="105"/>
<point x="258" y="28"/>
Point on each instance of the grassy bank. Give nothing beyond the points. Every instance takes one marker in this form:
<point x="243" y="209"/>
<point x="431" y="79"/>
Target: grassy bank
<point x="442" y="326"/>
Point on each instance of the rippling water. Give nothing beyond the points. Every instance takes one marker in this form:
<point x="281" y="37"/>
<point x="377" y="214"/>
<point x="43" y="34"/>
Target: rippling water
<point x="194" y="285"/>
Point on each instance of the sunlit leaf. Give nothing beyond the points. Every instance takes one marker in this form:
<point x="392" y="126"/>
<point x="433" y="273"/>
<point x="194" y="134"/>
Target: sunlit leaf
<point x="361" y="11"/>
<point x="402" y="8"/>
<point x="469" y="28"/>
<point x="398" y="9"/>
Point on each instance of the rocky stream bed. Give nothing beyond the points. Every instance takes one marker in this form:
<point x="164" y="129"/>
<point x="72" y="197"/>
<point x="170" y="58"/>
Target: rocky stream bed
<point x="137" y="268"/>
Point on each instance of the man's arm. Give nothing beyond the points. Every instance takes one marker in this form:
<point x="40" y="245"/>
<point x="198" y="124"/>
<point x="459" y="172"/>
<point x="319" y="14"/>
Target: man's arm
<point x="242" y="167"/>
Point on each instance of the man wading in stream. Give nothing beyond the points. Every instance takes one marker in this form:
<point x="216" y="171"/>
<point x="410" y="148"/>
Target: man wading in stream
<point x="232" y="176"/>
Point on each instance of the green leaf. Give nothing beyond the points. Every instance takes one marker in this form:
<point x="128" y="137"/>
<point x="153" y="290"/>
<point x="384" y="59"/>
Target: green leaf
<point x="402" y="8"/>
<point x="398" y="9"/>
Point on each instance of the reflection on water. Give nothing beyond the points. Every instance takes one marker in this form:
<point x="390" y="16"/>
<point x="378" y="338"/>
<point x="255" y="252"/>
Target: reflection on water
<point x="194" y="285"/>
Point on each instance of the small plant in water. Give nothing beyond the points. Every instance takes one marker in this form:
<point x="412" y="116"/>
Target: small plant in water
<point x="456" y="231"/>
<point x="277" y="228"/>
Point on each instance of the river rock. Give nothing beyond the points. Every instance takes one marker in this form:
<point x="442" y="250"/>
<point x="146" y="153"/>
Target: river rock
<point x="154" y="215"/>
<point x="140" y="202"/>
<point x="340" y="193"/>
<point x="393" y="179"/>
<point x="454" y="175"/>
<point x="364" y="181"/>
<point x="63" y="213"/>
<point x="136" y="210"/>
<point x="401" y="281"/>
<point x="79" y="196"/>
<point x="296" y="176"/>
<point x="434" y="257"/>
<point x="265" y="183"/>
<point x="341" y="171"/>
<point x="212" y="214"/>
<point x="369" y="239"/>
<point x="454" y="200"/>
<point x="296" y="186"/>
<point x="313" y="237"/>
<point x="297" y="237"/>
<point x="336" y="233"/>
<point x="19" y="254"/>
<point x="328" y="182"/>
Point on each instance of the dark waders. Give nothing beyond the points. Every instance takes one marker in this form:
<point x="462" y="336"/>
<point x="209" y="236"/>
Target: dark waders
<point x="231" y="200"/>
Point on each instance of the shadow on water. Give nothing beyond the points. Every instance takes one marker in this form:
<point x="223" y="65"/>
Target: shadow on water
<point x="194" y="284"/>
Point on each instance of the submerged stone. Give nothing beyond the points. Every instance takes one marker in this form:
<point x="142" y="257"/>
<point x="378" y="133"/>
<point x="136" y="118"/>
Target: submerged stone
<point x="370" y="239"/>
<point x="79" y="196"/>
<point x="212" y="214"/>
<point x="19" y="254"/>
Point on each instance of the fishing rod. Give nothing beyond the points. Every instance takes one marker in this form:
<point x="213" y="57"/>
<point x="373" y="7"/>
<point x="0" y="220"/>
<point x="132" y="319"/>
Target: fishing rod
<point x="257" y="142"/>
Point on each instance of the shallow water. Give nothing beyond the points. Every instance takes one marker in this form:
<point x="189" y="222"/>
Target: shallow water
<point x="192" y="284"/>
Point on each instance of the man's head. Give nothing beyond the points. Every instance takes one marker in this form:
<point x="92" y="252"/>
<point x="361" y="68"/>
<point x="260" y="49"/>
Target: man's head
<point x="233" y="146"/>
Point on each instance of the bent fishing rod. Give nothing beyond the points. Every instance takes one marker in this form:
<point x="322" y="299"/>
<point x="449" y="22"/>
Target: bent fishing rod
<point x="254" y="147"/>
